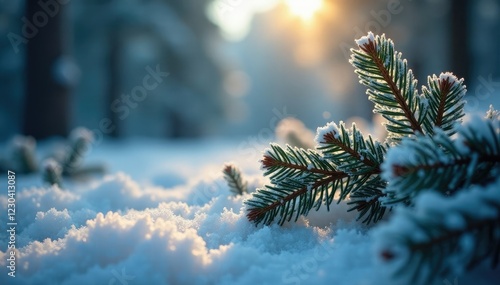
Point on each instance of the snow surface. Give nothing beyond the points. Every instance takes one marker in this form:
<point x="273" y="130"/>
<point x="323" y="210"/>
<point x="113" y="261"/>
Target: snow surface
<point x="164" y="215"/>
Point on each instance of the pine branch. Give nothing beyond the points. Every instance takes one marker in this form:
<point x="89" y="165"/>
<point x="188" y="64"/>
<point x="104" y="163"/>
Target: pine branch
<point x="293" y="162"/>
<point x="430" y="155"/>
<point x="297" y="174"/>
<point x="367" y="201"/>
<point x="446" y="105"/>
<point x="492" y="114"/>
<point x="349" y="150"/>
<point x="232" y="175"/>
<point x="281" y="199"/>
<point x="441" y="163"/>
<point x="80" y="139"/>
<point x="304" y="175"/>
<point x="443" y="235"/>
<point x="391" y="85"/>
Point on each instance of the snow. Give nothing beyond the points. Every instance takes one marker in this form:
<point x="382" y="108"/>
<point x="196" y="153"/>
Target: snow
<point x="194" y="233"/>
<point x="365" y="39"/>
<point x="492" y="113"/>
<point x="446" y="213"/>
<point x="448" y="76"/>
<point x="331" y="127"/>
<point x="479" y="128"/>
<point x="123" y="227"/>
<point x="51" y="164"/>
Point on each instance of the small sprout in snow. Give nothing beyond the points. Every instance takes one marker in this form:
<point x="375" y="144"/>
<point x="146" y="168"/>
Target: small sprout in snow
<point x="23" y="151"/>
<point x="232" y="175"/>
<point x="52" y="172"/>
<point x="80" y="140"/>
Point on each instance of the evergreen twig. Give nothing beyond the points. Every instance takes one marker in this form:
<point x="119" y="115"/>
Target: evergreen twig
<point x="442" y="163"/>
<point x="80" y="139"/>
<point x="234" y="179"/>
<point x="52" y="172"/>
<point x="442" y="235"/>
<point x="430" y="163"/>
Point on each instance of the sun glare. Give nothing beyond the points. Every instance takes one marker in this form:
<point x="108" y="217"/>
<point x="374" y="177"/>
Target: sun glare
<point x="304" y="9"/>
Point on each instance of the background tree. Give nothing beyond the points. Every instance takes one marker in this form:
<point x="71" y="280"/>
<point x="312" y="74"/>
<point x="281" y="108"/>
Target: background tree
<point x="127" y="36"/>
<point x="48" y="72"/>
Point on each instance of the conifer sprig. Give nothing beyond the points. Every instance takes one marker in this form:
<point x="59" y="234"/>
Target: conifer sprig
<point x="367" y="200"/>
<point x="446" y="105"/>
<point x="80" y="140"/>
<point x="281" y="199"/>
<point x="52" y="172"/>
<point x="442" y="235"/>
<point x="24" y="156"/>
<point x="442" y="163"/>
<point x="391" y="85"/>
<point x="232" y="175"/>
<point x="442" y="177"/>
<point x="346" y="163"/>
<point x="297" y="174"/>
<point x="349" y="150"/>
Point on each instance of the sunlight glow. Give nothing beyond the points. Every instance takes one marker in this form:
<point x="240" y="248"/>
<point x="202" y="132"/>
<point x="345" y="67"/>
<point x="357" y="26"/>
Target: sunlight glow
<point x="304" y="9"/>
<point x="234" y="17"/>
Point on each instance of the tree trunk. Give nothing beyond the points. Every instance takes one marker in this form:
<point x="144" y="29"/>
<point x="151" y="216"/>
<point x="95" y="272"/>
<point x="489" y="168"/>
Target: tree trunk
<point x="460" y="43"/>
<point x="114" y="82"/>
<point x="46" y="106"/>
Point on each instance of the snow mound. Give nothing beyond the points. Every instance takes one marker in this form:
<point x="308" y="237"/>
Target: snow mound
<point x="191" y="230"/>
<point x="116" y="229"/>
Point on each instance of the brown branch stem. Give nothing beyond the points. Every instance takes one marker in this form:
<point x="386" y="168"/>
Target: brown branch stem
<point x="371" y="49"/>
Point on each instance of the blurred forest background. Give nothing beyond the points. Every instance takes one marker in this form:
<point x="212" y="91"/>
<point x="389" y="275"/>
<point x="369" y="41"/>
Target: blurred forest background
<point x="233" y="65"/>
